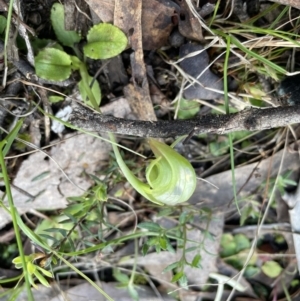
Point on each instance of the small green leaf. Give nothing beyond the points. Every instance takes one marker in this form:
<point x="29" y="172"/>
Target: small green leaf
<point x="150" y="226"/>
<point x="191" y="249"/>
<point x="272" y="269"/>
<point x="104" y="41"/>
<point x="242" y="242"/>
<point x="95" y="90"/>
<point x="290" y="182"/>
<point x="295" y="283"/>
<point x="121" y="277"/>
<point x="157" y="248"/>
<point x="188" y="109"/>
<point x="183" y="282"/>
<point x="17" y="260"/>
<point x="63" y="232"/>
<point x="251" y="271"/>
<point x="228" y="245"/>
<point x="196" y="261"/>
<point x="177" y="276"/>
<point x="240" y="135"/>
<point x="41" y="278"/>
<point x="46" y="236"/>
<point x="73" y="209"/>
<point x="55" y="98"/>
<point x="31" y="280"/>
<point x="152" y="241"/>
<point x="3" y="22"/>
<point x="66" y="37"/>
<point x="31" y="268"/>
<point x="163" y="243"/>
<point x="229" y="250"/>
<point x="100" y="192"/>
<point x="171" y="266"/>
<point x="6" y="143"/>
<point x="53" y="64"/>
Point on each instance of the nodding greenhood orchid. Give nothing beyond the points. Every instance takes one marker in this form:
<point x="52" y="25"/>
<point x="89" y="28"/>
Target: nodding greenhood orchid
<point x="171" y="178"/>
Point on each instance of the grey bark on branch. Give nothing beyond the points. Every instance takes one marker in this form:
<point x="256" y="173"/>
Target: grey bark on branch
<point x="251" y="119"/>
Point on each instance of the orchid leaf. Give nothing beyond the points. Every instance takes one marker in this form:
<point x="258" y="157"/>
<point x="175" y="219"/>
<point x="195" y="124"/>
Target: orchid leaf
<point x="66" y="37"/>
<point x="53" y="64"/>
<point x="272" y="269"/>
<point x="171" y="177"/>
<point x="104" y="41"/>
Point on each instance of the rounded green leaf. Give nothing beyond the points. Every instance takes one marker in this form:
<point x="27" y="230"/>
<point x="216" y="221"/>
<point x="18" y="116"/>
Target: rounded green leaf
<point x="104" y="41"/>
<point x="53" y="64"/>
<point x="272" y="269"/>
<point x="242" y="242"/>
<point x="66" y="37"/>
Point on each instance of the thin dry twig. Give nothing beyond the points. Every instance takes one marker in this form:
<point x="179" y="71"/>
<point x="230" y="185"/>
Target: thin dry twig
<point x="251" y="119"/>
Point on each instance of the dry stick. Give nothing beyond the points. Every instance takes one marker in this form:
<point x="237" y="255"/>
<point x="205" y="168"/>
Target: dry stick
<point x="251" y="119"/>
<point x="128" y="17"/>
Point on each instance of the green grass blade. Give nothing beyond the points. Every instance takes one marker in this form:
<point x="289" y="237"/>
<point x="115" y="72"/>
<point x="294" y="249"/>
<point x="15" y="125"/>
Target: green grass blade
<point x="9" y="139"/>
<point x="260" y="58"/>
<point x="227" y="112"/>
<point x="5" y="144"/>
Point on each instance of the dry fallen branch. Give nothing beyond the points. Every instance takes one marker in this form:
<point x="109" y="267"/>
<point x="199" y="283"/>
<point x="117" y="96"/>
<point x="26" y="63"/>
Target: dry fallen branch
<point x="251" y="119"/>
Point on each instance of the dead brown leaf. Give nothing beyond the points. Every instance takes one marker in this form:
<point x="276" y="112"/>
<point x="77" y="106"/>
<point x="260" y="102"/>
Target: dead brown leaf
<point x="157" y="23"/>
<point x="127" y="16"/>
<point x="156" y="18"/>
<point x="188" y="25"/>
